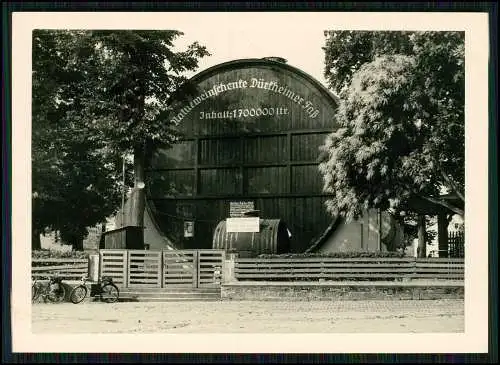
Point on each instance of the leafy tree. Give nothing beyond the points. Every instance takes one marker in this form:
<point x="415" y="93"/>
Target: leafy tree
<point x="74" y="179"/>
<point x="401" y="118"/>
<point x="347" y="51"/>
<point x="128" y="101"/>
<point x="97" y="96"/>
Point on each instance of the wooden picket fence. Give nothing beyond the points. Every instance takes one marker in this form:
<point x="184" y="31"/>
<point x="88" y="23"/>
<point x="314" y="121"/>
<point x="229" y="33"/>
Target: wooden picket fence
<point x="439" y="268"/>
<point x="67" y="269"/>
<point x="196" y="268"/>
<point x="456" y="244"/>
<point x="162" y="268"/>
<point x="179" y="268"/>
<point x="314" y="269"/>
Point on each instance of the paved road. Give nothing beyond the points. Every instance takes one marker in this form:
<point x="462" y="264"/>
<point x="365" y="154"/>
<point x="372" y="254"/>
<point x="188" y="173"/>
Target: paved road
<point x="251" y="317"/>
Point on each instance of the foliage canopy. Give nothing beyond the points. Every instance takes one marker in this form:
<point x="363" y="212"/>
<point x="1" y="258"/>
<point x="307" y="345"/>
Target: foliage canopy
<point x="401" y="121"/>
<point x="97" y="95"/>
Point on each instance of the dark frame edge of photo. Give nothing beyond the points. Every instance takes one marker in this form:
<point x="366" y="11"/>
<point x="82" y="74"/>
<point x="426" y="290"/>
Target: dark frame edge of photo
<point x="9" y="357"/>
<point x="493" y="185"/>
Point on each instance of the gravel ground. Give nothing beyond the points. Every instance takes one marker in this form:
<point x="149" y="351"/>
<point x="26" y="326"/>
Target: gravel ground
<point x="415" y="316"/>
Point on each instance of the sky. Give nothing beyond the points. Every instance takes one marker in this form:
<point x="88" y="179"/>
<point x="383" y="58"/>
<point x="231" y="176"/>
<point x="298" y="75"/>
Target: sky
<point x="230" y="37"/>
<point x="296" y="36"/>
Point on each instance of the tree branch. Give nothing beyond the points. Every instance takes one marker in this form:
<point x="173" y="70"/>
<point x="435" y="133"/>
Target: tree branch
<point x="445" y="204"/>
<point x="452" y="184"/>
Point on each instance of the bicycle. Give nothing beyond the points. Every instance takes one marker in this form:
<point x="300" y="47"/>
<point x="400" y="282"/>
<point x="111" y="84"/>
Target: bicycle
<point x="54" y="290"/>
<point x="107" y="291"/>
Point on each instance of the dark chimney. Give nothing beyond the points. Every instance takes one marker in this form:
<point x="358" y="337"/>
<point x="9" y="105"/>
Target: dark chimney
<point x="276" y="59"/>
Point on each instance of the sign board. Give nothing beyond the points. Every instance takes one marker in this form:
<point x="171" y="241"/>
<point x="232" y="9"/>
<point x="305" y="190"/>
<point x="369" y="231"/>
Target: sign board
<point x="188" y="229"/>
<point x="249" y="224"/>
<point x="237" y="208"/>
<point x="293" y="94"/>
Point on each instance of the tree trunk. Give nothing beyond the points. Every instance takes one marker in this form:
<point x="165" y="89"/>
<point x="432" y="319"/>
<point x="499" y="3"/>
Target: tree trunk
<point x="442" y="235"/>
<point x="74" y="238"/>
<point x="102" y="239"/>
<point x="137" y="198"/>
<point x="36" y="243"/>
<point x="422" y="245"/>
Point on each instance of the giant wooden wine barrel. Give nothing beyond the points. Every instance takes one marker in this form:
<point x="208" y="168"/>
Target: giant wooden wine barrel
<point x="273" y="238"/>
<point x="250" y="130"/>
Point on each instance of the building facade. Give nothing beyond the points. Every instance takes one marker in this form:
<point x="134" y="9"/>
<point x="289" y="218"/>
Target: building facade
<point x="251" y="131"/>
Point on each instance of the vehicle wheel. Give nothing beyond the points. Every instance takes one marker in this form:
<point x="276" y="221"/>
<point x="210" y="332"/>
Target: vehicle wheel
<point x="78" y="294"/>
<point x="57" y="293"/>
<point x="35" y="292"/>
<point x="109" y="293"/>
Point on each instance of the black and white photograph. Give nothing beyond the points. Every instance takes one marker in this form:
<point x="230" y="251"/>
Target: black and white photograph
<point x="266" y="182"/>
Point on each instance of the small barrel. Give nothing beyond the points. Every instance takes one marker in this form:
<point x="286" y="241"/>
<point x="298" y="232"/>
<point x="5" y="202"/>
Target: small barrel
<point x="273" y="238"/>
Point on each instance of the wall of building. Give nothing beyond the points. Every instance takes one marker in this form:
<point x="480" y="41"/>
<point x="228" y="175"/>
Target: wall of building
<point x="152" y="235"/>
<point x="372" y="232"/>
<point x="251" y="132"/>
<point x="359" y="235"/>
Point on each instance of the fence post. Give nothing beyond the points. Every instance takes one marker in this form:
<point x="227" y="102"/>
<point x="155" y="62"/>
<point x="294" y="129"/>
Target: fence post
<point x="228" y="268"/>
<point x="93" y="268"/>
<point x="443" y="239"/>
<point x="126" y="267"/>
<point x="162" y="270"/>
<point x="196" y="266"/>
<point x="414" y="267"/>
<point x="101" y="259"/>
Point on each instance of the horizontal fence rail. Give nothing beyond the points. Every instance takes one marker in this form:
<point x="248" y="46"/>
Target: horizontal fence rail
<point x="163" y="268"/>
<point x="314" y="269"/>
<point x="210" y="267"/>
<point x="443" y="268"/>
<point x="203" y="268"/>
<point x="66" y="269"/>
<point x="144" y="268"/>
<point x="113" y="263"/>
<point x="179" y="268"/>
